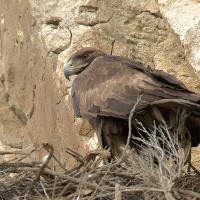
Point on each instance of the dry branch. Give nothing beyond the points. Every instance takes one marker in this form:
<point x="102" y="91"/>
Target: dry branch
<point x="112" y="181"/>
<point x="136" y="177"/>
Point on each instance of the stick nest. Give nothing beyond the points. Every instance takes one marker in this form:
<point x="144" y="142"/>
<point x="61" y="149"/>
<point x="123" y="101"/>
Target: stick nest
<point x="131" y="177"/>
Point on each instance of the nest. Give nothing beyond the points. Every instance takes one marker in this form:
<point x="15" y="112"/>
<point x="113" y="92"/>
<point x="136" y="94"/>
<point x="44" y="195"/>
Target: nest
<point x="130" y="177"/>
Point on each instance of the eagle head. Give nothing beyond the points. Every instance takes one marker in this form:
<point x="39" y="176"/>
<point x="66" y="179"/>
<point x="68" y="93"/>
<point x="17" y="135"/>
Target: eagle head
<point x="81" y="60"/>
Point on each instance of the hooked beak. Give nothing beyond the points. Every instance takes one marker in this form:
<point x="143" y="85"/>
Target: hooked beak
<point x="66" y="71"/>
<point x="69" y="70"/>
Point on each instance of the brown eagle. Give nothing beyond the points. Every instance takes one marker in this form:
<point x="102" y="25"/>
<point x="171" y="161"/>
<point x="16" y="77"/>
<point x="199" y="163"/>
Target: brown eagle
<point x="107" y="87"/>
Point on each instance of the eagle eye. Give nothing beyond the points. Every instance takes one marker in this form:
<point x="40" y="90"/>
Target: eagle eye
<point x="85" y="56"/>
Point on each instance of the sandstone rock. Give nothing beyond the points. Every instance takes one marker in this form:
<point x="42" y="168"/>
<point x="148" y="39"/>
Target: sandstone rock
<point x="56" y="37"/>
<point x="184" y="17"/>
<point x="33" y="104"/>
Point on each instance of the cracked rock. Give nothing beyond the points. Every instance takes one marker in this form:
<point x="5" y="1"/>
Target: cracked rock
<point x="56" y="38"/>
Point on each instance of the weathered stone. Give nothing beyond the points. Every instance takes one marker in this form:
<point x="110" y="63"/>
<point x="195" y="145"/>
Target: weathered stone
<point x="32" y="112"/>
<point x="56" y="37"/>
<point x="192" y="47"/>
<point x="184" y="17"/>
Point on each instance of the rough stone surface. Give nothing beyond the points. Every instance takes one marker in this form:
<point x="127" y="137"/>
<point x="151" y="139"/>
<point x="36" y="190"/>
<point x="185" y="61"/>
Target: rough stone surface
<point x="33" y="107"/>
<point x="184" y="17"/>
<point x="56" y="39"/>
<point x="37" y="38"/>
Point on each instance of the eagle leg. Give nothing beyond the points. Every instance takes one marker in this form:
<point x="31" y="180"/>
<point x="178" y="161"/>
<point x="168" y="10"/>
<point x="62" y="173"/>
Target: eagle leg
<point x="100" y="122"/>
<point x="157" y="114"/>
<point x="112" y="134"/>
<point x="185" y="138"/>
<point x="190" y="166"/>
<point x="194" y="169"/>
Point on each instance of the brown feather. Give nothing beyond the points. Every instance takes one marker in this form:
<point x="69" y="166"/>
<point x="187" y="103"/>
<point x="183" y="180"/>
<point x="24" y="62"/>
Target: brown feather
<point x="109" y="87"/>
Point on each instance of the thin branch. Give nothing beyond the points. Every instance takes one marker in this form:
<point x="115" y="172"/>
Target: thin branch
<point x="44" y="190"/>
<point x="50" y="149"/>
<point x="130" y="127"/>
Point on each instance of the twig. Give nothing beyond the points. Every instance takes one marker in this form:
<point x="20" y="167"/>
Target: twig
<point x="44" y="190"/>
<point x="112" y="181"/>
<point x="67" y="186"/>
<point x="130" y="122"/>
<point x="130" y="128"/>
<point x="140" y="188"/>
<point x="118" y="194"/>
<point x="13" y="152"/>
<point x="101" y="181"/>
<point x="77" y="156"/>
<point x="37" y="177"/>
<point x="191" y="193"/>
<point x="59" y="163"/>
<point x="54" y="187"/>
<point x="37" y="147"/>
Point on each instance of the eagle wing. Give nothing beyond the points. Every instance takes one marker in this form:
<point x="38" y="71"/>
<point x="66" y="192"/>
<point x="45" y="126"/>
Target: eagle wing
<point x="111" y="84"/>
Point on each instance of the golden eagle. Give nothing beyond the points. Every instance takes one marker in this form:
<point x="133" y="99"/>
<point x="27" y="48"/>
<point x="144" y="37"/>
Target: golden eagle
<point x="107" y="87"/>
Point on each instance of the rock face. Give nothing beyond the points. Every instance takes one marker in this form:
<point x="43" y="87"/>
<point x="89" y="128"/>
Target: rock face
<point x="184" y="18"/>
<point x="36" y="39"/>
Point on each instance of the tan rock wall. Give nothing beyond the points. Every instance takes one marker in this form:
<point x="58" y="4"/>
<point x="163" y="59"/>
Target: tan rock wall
<point x="36" y="39"/>
<point x="32" y="108"/>
<point x="184" y="17"/>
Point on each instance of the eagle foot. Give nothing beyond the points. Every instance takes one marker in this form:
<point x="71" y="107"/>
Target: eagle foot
<point x="193" y="168"/>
